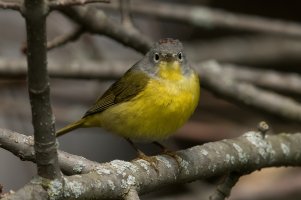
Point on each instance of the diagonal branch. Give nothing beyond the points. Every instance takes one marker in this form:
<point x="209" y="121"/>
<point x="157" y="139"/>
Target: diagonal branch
<point x="223" y="190"/>
<point x="225" y="86"/>
<point x="96" y="21"/>
<point x="22" y="146"/>
<point x="58" y="4"/>
<point x="286" y="82"/>
<point x="244" y="154"/>
<point x="64" y="39"/>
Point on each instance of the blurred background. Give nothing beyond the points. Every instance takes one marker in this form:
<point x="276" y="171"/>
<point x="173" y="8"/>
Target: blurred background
<point x="214" y="119"/>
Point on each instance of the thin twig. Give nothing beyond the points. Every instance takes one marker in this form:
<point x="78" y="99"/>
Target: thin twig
<point x="132" y="195"/>
<point x="125" y="13"/>
<point x="223" y="190"/>
<point x="58" y="4"/>
<point x="61" y="40"/>
<point x="38" y="87"/>
<point x="13" y="5"/>
<point x="64" y="39"/>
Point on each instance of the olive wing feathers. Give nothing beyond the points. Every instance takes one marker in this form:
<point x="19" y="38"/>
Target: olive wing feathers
<point x="124" y="89"/>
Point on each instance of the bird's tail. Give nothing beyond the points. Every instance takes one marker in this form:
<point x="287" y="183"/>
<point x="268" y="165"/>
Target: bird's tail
<point x="70" y="127"/>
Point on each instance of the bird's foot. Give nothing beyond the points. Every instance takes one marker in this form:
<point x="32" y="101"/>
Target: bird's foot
<point x="150" y="159"/>
<point x="168" y="152"/>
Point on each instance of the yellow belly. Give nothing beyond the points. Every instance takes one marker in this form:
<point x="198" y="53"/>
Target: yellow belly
<point x="157" y="112"/>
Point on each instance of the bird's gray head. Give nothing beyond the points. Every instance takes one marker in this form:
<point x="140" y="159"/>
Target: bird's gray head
<point x="166" y="59"/>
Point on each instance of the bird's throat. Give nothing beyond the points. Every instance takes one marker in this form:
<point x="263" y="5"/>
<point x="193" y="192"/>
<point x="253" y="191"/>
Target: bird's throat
<point x="170" y="70"/>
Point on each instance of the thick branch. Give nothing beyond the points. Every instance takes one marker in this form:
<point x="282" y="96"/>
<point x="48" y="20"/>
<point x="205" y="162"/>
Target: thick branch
<point x="23" y="147"/>
<point x="95" y="21"/>
<point x="202" y="16"/>
<point x="244" y="154"/>
<point x="38" y="87"/>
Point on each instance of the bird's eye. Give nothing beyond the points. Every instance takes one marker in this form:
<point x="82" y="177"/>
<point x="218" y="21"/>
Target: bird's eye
<point x="156" y="57"/>
<point x="180" y="56"/>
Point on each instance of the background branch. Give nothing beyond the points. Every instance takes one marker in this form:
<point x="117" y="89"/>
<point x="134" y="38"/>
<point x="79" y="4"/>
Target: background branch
<point x="13" y="5"/>
<point x="285" y="82"/>
<point x="215" y="77"/>
<point x="57" y="4"/>
<point x="216" y="81"/>
<point x="206" y="17"/>
<point x="96" y="21"/>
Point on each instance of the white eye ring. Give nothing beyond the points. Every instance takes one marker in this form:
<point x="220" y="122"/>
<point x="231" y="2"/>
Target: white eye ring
<point x="180" y="56"/>
<point x="156" y="57"/>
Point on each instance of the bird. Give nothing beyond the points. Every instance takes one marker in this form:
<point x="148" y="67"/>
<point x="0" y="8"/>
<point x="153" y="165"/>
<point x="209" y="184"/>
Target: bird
<point x="153" y="99"/>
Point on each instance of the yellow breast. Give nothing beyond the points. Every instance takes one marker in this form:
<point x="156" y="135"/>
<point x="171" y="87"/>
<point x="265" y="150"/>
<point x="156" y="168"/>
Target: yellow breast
<point x="156" y="112"/>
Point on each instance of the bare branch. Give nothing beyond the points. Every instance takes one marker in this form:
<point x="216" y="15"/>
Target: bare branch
<point x="215" y="80"/>
<point x="287" y="82"/>
<point x="223" y="190"/>
<point x="206" y="17"/>
<point x="61" y="40"/>
<point x="13" y="5"/>
<point x="214" y="77"/>
<point x="131" y="195"/>
<point x="125" y="13"/>
<point x="247" y="153"/>
<point x="58" y="4"/>
<point x="245" y="50"/>
<point x="23" y="147"/>
<point x="38" y="87"/>
<point x="96" y="21"/>
<point x="64" y="39"/>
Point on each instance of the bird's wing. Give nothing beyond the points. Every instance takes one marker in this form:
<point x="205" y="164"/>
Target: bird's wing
<point x="124" y="89"/>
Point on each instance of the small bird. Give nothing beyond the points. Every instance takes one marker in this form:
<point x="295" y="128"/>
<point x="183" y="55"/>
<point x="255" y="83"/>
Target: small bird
<point x="150" y="101"/>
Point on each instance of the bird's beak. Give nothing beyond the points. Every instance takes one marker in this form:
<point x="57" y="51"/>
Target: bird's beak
<point x="168" y="57"/>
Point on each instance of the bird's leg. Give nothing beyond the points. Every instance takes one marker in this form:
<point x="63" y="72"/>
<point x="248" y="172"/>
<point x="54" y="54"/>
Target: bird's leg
<point x="153" y="161"/>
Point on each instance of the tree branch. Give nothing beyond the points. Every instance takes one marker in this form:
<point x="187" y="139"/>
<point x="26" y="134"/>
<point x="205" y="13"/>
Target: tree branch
<point x="206" y="17"/>
<point x="223" y="190"/>
<point x="244" y="154"/>
<point x="131" y="195"/>
<point x="13" y="5"/>
<point x="22" y="146"/>
<point x="286" y="82"/>
<point x="213" y="79"/>
<point x="58" y="4"/>
<point x="125" y="13"/>
<point x="95" y="21"/>
<point x="38" y="87"/>
<point x="64" y="39"/>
